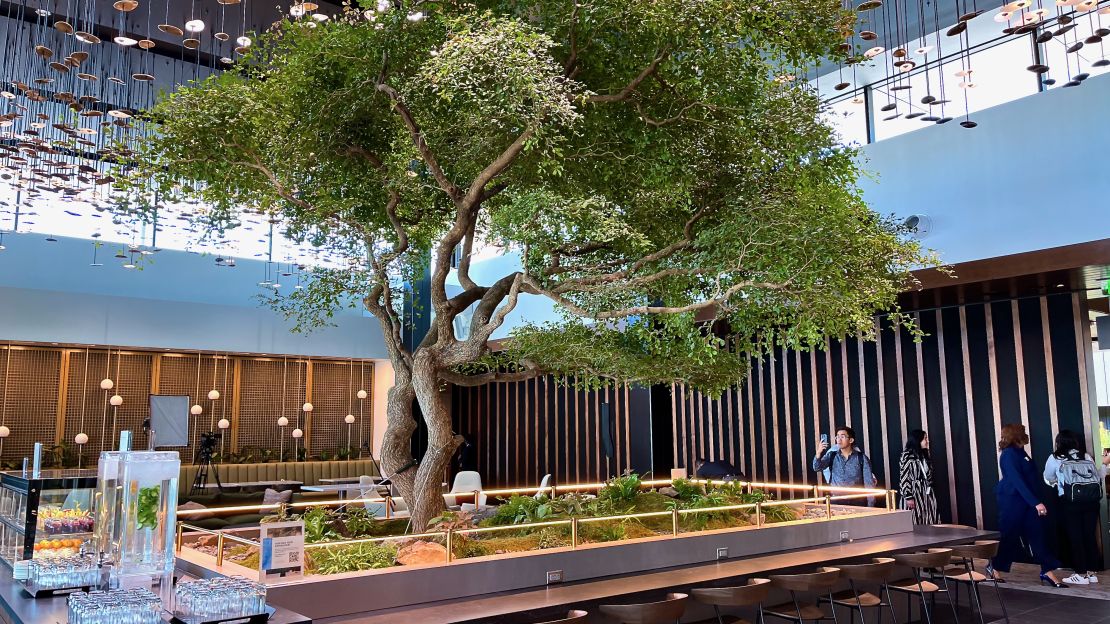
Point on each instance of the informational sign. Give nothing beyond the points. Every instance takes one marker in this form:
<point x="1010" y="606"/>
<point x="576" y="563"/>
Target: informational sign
<point x="282" y="556"/>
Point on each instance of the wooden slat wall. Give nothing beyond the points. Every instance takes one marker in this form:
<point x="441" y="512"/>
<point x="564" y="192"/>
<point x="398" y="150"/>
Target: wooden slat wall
<point x="261" y="397"/>
<point x="524" y="430"/>
<point x="31" y="397"/>
<point x="41" y="406"/>
<point x="333" y="397"/>
<point x="980" y="365"/>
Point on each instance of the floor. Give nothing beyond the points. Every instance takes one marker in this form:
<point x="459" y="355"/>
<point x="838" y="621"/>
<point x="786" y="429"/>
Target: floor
<point x="1027" y="577"/>
<point x="1028" y="602"/>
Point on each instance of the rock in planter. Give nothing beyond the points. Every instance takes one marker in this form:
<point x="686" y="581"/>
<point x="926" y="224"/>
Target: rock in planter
<point x="669" y="492"/>
<point x="420" y="552"/>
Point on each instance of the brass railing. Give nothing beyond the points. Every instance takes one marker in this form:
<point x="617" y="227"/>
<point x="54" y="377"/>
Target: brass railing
<point x="820" y="494"/>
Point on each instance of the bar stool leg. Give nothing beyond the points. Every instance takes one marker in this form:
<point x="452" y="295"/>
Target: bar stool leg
<point x="978" y="603"/>
<point x="761" y="620"/>
<point x="797" y="607"/>
<point x="921" y="592"/>
<point x="832" y="607"/>
<point x="717" y="610"/>
<point x="859" y="607"/>
<point x="1002" y="603"/>
<point x="947" y="590"/>
<point x="889" y="604"/>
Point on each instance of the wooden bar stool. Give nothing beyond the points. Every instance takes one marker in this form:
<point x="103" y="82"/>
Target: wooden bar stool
<point x="819" y="582"/>
<point x="965" y="572"/>
<point x="917" y="562"/>
<point x="878" y="572"/>
<point x="663" y="612"/>
<point x="752" y="594"/>
<point x="576" y="615"/>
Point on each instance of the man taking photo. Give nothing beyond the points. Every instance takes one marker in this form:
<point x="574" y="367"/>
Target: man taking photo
<point x="847" y="465"/>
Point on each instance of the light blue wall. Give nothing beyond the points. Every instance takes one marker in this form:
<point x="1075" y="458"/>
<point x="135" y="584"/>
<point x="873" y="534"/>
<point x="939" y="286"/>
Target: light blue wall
<point x="1031" y="176"/>
<point x="182" y="301"/>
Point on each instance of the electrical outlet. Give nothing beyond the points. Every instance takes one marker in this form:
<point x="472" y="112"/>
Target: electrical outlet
<point x="554" y="576"/>
<point x="722" y="553"/>
<point x="844" y="536"/>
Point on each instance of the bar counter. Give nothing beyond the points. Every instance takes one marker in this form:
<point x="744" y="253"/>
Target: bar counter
<point x="554" y="598"/>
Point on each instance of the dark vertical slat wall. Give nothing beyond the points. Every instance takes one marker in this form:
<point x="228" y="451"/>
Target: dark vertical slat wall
<point x="524" y="430"/>
<point x="980" y="365"/>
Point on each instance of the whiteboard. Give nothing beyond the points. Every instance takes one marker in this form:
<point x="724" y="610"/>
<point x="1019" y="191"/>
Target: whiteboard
<point x="169" y="418"/>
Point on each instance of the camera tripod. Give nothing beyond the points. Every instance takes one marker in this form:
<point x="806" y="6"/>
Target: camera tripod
<point x="200" y="481"/>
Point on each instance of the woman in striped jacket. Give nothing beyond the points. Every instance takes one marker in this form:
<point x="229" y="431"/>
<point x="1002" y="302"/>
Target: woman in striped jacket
<point x="916" y="479"/>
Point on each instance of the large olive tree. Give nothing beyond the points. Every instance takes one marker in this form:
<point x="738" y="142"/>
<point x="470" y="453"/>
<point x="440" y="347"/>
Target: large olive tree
<point x="654" y="163"/>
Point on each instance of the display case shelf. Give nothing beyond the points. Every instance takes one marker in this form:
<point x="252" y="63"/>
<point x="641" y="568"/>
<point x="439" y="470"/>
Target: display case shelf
<point x="26" y="499"/>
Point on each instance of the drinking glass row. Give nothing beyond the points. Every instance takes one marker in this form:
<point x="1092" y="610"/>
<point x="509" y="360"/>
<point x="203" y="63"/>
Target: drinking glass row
<point x="121" y="606"/>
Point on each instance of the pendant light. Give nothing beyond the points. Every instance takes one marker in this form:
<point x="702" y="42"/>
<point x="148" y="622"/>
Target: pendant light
<point x="106" y="385"/>
<point x="117" y="400"/>
<point x="282" y="420"/>
<point x="81" y="439"/>
<point x="196" y="409"/>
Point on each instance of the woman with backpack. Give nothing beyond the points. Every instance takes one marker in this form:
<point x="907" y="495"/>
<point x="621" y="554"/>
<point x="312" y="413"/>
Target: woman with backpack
<point x="1078" y="483"/>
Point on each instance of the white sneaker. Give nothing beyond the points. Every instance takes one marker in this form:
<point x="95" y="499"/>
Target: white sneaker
<point x="1092" y="579"/>
<point x="1075" y="579"/>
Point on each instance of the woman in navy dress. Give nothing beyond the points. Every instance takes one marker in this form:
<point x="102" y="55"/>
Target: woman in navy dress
<point x="1020" y="511"/>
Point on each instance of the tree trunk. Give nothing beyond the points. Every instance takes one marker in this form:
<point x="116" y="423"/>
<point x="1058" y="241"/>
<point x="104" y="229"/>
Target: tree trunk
<point x="426" y="500"/>
<point x="396" y="450"/>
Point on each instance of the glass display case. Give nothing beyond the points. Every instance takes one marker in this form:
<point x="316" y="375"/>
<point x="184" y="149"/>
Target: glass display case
<point x="48" y="515"/>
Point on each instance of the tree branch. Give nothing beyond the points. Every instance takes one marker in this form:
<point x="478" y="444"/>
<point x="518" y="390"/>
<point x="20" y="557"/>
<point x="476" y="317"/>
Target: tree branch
<point x="534" y="288"/>
<point x="464" y="263"/>
<point x="661" y="254"/>
<point x="569" y="68"/>
<point x="371" y="157"/>
<point x="421" y="144"/>
<point x="470" y="381"/>
<point x="658" y="123"/>
<point x="628" y="89"/>
<point x="496" y="168"/>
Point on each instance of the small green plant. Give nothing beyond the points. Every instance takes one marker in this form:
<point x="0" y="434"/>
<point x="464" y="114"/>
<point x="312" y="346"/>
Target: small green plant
<point x="733" y="491"/>
<point x="523" y="510"/>
<point x="570" y="504"/>
<point x="318" y="525"/>
<point x="686" y="490"/>
<point x="606" y="532"/>
<point x="622" y="489"/>
<point x="357" y="521"/>
<point x="451" y="521"/>
<point x="352" y="558"/>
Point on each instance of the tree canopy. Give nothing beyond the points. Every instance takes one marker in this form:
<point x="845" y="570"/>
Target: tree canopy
<point x="655" y="163"/>
<point x="650" y="161"/>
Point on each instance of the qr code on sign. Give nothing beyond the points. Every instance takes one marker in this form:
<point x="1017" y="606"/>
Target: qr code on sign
<point x="294" y="557"/>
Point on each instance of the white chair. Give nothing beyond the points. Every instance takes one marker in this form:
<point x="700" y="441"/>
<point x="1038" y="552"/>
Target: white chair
<point x="466" y="482"/>
<point x="545" y="487"/>
<point x="368" y="488"/>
